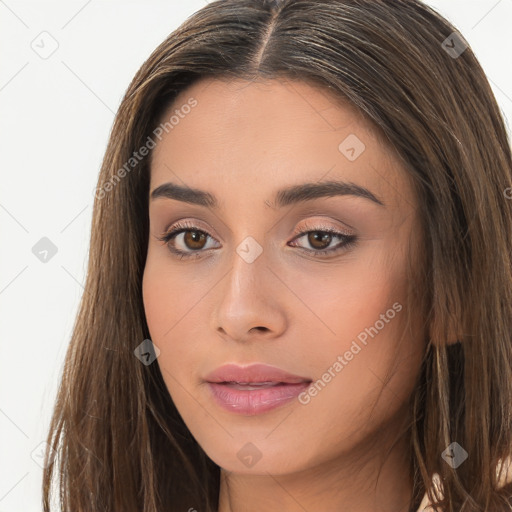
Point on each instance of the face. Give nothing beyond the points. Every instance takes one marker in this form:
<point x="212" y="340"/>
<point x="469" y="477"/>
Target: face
<point x="310" y="281"/>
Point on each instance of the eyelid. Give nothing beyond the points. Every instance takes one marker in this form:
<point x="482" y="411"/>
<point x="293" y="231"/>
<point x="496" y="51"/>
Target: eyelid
<point x="319" y="226"/>
<point x="185" y="223"/>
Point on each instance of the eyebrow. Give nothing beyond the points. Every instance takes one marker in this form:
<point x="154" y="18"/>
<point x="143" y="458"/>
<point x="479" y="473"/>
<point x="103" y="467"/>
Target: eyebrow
<point x="284" y="197"/>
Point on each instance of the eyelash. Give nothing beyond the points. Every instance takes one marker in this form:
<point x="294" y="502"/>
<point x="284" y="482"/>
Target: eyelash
<point x="348" y="240"/>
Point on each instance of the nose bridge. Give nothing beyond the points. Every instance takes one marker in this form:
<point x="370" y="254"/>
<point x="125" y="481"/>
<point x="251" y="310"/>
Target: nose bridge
<point x="246" y="278"/>
<point x="247" y="299"/>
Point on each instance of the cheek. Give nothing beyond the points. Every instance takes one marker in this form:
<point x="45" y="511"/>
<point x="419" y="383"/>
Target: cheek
<point x="342" y="301"/>
<point x="168" y="295"/>
<point x="159" y="304"/>
<point x="172" y="307"/>
<point x="162" y="308"/>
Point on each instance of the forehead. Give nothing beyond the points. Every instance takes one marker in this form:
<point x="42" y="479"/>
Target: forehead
<point x="273" y="133"/>
<point x="271" y="103"/>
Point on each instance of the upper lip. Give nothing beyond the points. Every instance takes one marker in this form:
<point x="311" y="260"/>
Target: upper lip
<point x="253" y="373"/>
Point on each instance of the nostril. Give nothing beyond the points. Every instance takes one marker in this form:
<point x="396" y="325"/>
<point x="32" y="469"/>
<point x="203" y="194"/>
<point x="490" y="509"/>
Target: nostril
<point x="261" y="328"/>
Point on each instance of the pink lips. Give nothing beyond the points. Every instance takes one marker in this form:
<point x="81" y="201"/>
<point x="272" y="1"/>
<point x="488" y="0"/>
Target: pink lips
<point x="254" y="389"/>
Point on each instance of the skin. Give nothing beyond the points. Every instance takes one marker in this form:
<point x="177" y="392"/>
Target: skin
<point x="243" y="141"/>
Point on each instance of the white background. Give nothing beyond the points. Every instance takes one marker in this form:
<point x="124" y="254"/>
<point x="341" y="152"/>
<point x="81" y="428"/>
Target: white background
<point x="56" y="118"/>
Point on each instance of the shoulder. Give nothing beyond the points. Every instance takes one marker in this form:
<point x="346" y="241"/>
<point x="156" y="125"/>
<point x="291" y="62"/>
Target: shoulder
<point x="506" y="471"/>
<point x="505" y="478"/>
<point x="425" y="503"/>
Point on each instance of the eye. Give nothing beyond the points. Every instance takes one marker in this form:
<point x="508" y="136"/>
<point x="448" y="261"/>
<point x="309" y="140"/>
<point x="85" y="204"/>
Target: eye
<point x="193" y="240"/>
<point x="320" y="238"/>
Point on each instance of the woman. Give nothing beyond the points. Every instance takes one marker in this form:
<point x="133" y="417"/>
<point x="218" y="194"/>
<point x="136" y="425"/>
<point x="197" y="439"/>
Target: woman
<point x="299" y="289"/>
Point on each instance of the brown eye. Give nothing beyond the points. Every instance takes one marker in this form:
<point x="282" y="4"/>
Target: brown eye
<point x="194" y="239"/>
<point x="187" y="240"/>
<point x="319" y="239"/>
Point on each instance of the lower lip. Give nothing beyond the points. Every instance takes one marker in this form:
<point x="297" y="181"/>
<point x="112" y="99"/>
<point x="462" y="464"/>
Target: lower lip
<point x="255" y="401"/>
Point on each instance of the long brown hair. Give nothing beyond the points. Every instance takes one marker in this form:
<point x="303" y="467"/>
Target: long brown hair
<point x="121" y="444"/>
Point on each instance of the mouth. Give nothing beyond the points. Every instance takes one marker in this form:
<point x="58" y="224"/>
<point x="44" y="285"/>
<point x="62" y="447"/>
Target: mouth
<point x="250" y="386"/>
<point x="254" y="389"/>
<point x="253" y="374"/>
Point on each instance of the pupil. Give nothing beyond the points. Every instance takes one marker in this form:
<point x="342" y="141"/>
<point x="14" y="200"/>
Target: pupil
<point x="319" y="236"/>
<point x="195" y="237"/>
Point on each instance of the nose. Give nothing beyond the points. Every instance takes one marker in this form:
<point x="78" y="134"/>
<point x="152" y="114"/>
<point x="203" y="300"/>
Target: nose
<point x="250" y="302"/>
